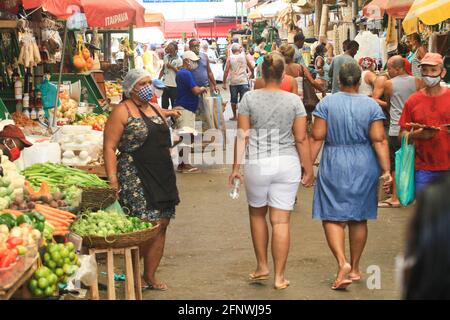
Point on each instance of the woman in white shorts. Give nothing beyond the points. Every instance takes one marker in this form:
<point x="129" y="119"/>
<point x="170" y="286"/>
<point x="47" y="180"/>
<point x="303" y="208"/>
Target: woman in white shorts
<point x="272" y="134"/>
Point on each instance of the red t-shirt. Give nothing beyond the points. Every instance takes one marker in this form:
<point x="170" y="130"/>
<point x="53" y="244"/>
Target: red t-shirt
<point x="408" y="66"/>
<point x="432" y="154"/>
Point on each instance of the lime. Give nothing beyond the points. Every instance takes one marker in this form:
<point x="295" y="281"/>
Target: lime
<point x="64" y="253"/>
<point x="38" y="292"/>
<point x="40" y="273"/>
<point x="52" y="279"/>
<point x="33" y="284"/>
<point x="65" y="280"/>
<point x="67" y="268"/>
<point x="55" y="256"/>
<point x="51" y="264"/>
<point x="70" y="246"/>
<point x="59" y="272"/>
<point x="46" y="271"/>
<point x="67" y="261"/>
<point x="49" y="291"/>
<point x="42" y="283"/>
<point x="72" y="256"/>
<point x="47" y="257"/>
<point x="60" y="246"/>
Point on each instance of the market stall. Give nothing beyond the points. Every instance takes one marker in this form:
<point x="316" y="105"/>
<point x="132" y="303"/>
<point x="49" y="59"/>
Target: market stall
<point x="56" y="211"/>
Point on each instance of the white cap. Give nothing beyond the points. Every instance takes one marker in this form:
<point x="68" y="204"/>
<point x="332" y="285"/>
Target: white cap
<point x="190" y="55"/>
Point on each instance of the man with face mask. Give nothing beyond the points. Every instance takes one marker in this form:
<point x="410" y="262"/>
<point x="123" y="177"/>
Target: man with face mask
<point x="187" y="100"/>
<point x="397" y="90"/>
<point x="428" y="113"/>
<point x="12" y="142"/>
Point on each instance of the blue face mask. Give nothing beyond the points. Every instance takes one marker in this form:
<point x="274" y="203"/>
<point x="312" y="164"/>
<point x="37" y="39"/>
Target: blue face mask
<point x="146" y="93"/>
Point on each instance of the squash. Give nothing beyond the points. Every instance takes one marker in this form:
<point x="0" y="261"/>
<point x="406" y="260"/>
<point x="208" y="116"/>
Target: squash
<point x="86" y="53"/>
<point x="79" y="62"/>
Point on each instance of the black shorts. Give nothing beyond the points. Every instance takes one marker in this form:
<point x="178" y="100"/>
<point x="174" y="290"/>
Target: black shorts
<point x="394" y="145"/>
<point x="168" y="98"/>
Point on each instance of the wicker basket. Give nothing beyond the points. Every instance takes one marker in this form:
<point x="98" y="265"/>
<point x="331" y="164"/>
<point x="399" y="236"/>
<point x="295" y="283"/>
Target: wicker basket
<point x="97" y="198"/>
<point x="121" y="241"/>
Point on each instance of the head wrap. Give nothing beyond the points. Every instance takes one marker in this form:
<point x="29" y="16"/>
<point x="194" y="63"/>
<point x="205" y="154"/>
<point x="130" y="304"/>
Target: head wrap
<point x="367" y="63"/>
<point x="133" y="76"/>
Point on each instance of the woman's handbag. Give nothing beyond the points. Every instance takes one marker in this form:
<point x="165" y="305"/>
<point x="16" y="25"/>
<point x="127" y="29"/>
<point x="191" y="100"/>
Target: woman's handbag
<point x="310" y="99"/>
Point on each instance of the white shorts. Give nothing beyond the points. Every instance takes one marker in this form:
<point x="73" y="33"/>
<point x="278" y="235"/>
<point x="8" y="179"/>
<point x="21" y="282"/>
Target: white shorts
<point x="273" y="182"/>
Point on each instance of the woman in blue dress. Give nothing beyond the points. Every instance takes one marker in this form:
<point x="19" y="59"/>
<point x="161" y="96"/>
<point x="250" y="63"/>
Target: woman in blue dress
<point x="355" y="154"/>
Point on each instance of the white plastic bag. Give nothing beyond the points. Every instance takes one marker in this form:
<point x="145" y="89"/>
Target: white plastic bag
<point x="86" y="273"/>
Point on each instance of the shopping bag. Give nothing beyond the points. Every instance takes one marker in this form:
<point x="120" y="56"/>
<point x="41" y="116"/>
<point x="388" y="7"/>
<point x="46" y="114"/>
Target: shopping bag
<point x="219" y="120"/>
<point x="208" y="110"/>
<point x="404" y="172"/>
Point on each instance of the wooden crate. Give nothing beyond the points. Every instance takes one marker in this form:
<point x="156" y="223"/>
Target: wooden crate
<point x="97" y="170"/>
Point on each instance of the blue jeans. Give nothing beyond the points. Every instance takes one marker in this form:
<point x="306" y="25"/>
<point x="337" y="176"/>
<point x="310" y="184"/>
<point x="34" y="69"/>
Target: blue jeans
<point x="238" y="90"/>
<point x="424" y="177"/>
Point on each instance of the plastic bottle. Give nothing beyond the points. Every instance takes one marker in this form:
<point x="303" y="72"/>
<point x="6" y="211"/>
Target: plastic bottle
<point x="33" y="114"/>
<point x="26" y="101"/>
<point x="234" y="193"/>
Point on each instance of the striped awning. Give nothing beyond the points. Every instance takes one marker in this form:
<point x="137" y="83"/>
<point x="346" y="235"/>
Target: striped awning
<point x="394" y="8"/>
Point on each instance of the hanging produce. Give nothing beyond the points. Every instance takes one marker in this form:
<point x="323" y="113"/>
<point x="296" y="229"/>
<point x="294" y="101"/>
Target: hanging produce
<point x="288" y="18"/>
<point x="29" y="55"/>
<point x="82" y="60"/>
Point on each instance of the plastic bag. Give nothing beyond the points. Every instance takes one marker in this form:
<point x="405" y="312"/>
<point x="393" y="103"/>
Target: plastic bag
<point x="404" y="172"/>
<point x="115" y="207"/>
<point x="49" y="91"/>
<point x="77" y="21"/>
<point x="86" y="273"/>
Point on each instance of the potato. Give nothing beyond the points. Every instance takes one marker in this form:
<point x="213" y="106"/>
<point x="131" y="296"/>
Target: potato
<point x="54" y="204"/>
<point x="57" y="196"/>
<point x="31" y="205"/>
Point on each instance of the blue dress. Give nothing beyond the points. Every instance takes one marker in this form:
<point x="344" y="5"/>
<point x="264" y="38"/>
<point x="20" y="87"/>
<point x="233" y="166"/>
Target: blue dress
<point x="348" y="175"/>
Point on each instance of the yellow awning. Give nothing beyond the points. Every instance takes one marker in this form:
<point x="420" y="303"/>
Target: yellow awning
<point x="430" y="12"/>
<point x="254" y="15"/>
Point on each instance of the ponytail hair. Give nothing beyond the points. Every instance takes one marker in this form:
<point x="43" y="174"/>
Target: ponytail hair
<point x="273" y="67"/>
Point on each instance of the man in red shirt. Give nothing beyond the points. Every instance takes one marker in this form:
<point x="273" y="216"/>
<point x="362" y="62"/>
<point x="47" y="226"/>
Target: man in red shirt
<point x="428" y="110"/>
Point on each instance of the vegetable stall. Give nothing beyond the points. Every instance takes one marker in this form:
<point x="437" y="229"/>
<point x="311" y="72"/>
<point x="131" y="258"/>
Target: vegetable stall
<point x="55" y="206"/>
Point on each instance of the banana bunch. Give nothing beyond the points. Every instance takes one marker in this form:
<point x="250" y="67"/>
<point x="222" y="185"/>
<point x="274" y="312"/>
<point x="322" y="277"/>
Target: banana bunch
<point x="126" y="47"/>
<point x="288" y="18"/>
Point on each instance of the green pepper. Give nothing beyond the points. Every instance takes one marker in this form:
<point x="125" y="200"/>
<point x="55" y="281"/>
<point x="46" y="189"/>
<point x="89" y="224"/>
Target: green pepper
<point x="9" y="220"/>
<point x="25" y="218"/>
<point x="39" y="217"/>
<point x="38" y="225"/>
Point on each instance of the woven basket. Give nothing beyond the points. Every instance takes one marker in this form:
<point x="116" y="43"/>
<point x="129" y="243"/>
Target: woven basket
<point x="122" y="240"/>
<point x="97" y="198"/>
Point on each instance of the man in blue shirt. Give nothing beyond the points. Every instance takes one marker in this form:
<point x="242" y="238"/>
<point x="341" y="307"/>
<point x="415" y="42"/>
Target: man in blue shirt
<point x="299" y="41"/>
<point x="187" y="101"/>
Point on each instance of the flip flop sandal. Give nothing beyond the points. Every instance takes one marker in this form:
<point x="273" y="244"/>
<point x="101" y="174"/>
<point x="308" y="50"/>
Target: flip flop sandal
<point x="283" y="286"/>
<point x="191" y="170"/>
<point x="252" y="277"/>
<point x="355" y="278"/>
<point x="385" y="204"/>
<point x="156" y="288"/>
<point x="341" y="285"/>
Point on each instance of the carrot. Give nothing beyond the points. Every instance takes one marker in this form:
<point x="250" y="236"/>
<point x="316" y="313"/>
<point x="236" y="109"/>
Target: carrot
<point x="54" y="224"/>
<point x="63" y="213"/>
<point x="55" y="215"/>
<point x="51" y="218"/>
<point x="17" y="213"/>
<point x="60" y="233"/>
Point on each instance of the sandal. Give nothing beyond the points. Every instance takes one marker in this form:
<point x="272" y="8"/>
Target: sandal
<point x="149" y="286"/>
<point x="283" y="286"/>
<point x="387" y="204"/>
<point x="342" y="284"/>
<point x="253" y="277"/>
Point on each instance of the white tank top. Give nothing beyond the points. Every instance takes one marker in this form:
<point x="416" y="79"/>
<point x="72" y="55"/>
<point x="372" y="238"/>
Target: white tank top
<point x="365" y="88"/>
<point x="238" y="69"/>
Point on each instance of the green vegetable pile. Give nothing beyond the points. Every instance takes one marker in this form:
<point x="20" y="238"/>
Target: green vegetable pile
<point x="61" y="175"/>
<point x="72" y="196"/>
<point x="61" y="262"/>
<point x="103" y="223"/>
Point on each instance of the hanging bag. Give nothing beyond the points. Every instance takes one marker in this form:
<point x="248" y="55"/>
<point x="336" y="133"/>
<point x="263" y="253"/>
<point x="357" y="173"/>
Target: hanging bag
<point x="310" y="99"/>
<point x="404" y="171"/>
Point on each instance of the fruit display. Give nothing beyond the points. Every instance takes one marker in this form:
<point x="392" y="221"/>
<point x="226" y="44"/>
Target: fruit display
<point x="96" y="121"/>
<point x="66" y="112"/>
<point x="82" y="60"/>
<point x="113" y="89"/>
<point x="60" y="263"/>
<point x="6" y="192"/>
<point x="103" y="223"/>
<point x="60" y="220"/>
<point x="43" y="196"/>
<point x="14" y="242"/>
<point x="23" y="121"/>
<point x="58" y="175"/>
<point x="72" y="196"/>
<point x="11" y="179"/>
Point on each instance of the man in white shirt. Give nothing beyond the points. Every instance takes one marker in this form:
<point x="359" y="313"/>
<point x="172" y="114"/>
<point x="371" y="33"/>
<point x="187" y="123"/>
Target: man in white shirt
<point x="172" y="64"/>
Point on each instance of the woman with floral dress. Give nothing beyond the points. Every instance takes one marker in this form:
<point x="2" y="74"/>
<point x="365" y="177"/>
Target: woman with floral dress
<point x="142" y="172"/>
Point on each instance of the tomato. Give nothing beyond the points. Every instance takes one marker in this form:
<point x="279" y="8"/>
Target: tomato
<point x="8" y="259"/>
<point x="13" y="242"/>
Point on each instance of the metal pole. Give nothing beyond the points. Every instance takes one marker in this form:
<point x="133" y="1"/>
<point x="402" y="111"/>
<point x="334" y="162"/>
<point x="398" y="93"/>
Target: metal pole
<point x="61" y="66"/>
<point x="242" y="11"/>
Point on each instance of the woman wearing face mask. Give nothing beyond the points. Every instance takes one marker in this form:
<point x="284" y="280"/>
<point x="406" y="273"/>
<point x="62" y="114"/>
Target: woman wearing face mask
<point x="143" y="171"/>
<point x="12" y="142"/>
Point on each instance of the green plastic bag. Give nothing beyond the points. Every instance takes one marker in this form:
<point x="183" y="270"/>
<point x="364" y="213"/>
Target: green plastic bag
<point x="404" y="172"/>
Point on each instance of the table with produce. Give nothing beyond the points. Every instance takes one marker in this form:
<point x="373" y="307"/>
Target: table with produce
<point x="42" y="208"/>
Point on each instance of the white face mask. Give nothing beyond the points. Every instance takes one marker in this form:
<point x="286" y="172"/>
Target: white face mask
<point x="194" y="65"/>
<point x="431" y="81"/>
